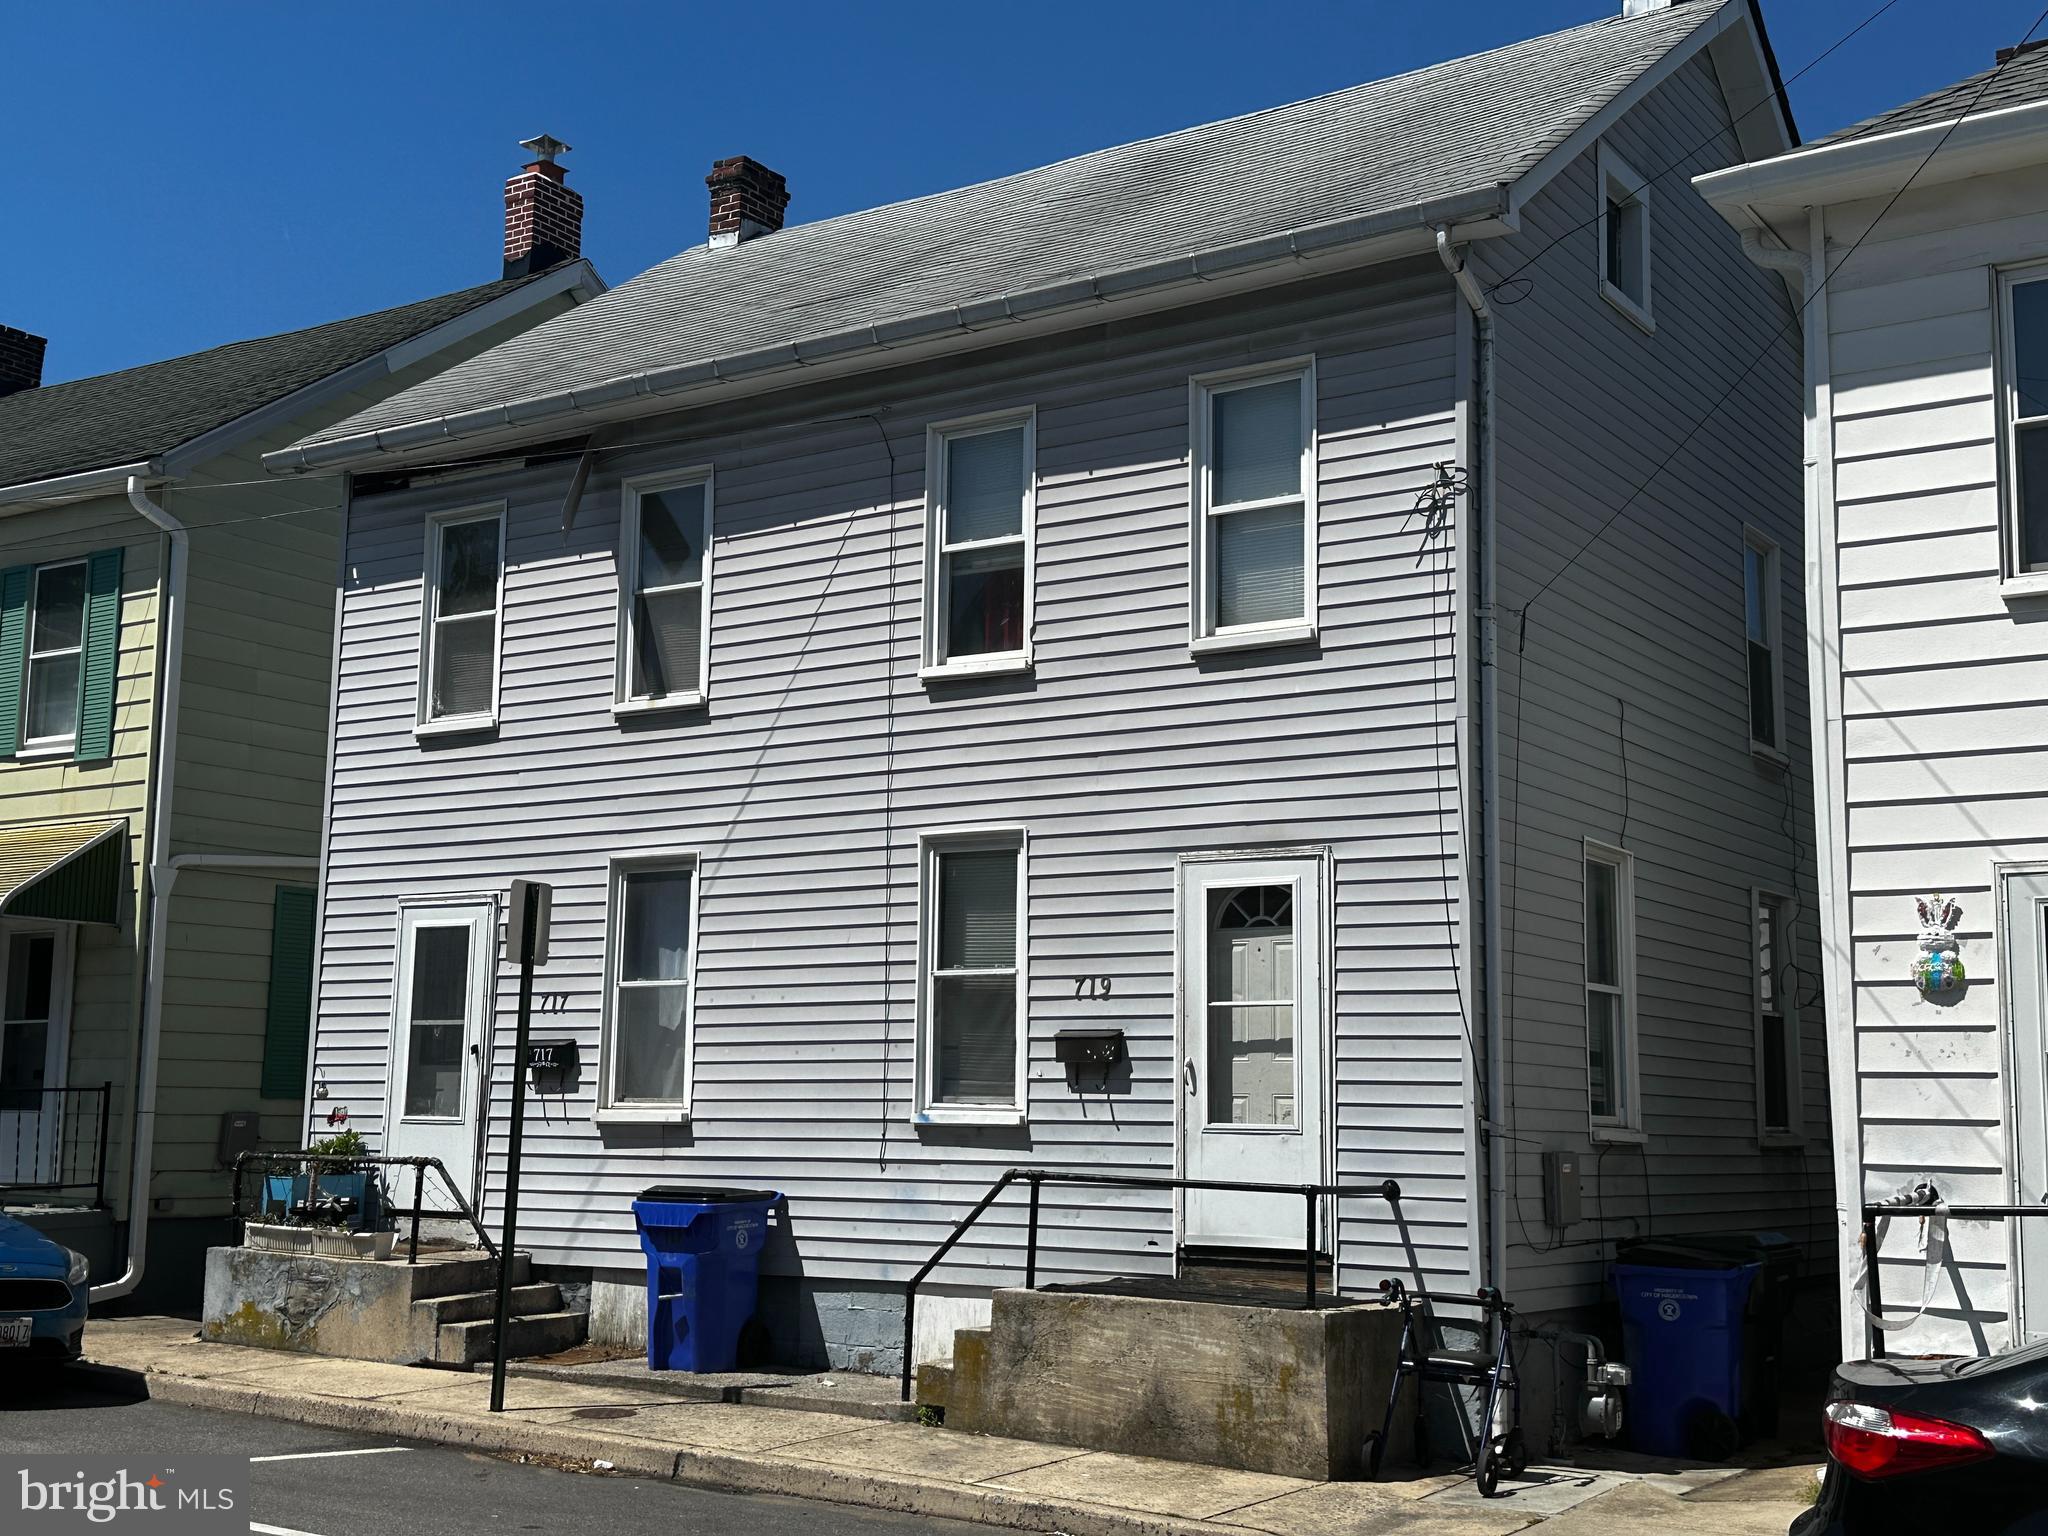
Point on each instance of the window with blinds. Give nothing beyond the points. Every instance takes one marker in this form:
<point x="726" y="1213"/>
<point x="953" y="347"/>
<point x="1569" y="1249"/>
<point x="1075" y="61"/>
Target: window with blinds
<point x="978" y="544"/>
<point x="465" y="570"/>
<point x="973" y="931"/>
<point x="1254" y="555"/>
<point x="665" y="570"/>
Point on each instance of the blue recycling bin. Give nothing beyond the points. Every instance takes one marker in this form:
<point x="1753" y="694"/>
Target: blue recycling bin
<point x="1682" y="1334"/>
<point x="703" y="1250"/>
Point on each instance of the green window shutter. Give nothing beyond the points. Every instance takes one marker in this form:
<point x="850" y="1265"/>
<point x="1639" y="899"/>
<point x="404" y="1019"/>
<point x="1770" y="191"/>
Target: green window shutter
<point x="14" y="585"/>
<point x="95" y="741"/>
<point x="289" y="1022"/>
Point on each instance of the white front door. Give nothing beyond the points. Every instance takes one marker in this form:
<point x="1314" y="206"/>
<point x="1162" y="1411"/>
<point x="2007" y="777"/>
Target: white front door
<point x="1251" y="1034"/>
<point x="2025" y="977"/>
<point x="445" y="986"/>
<point x="35" y="975"/>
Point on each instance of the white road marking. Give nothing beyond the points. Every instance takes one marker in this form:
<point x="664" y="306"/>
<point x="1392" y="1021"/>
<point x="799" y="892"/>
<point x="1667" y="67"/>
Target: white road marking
<point x="368" y="1450"/>
<point x="276" y="1530"/>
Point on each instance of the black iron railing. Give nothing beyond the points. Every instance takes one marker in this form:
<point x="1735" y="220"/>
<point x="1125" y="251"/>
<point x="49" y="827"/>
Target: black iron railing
<point x="312" y="1164"/>
<point x="53" y="1141"/>
<point x="1311" y="1195"/>
<point x="1873" y="1214"/>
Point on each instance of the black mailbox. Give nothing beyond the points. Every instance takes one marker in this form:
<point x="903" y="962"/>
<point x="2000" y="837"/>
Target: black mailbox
<point x="1089" y="1050"/>
<point x="553" y="1064"/>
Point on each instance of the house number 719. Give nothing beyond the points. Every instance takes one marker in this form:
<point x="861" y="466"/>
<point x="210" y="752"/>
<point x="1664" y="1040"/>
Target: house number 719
<point x="1092" y="986"/>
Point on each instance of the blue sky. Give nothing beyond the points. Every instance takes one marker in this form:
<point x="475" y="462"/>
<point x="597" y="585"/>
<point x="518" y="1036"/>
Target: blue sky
<point x="185" y="174"/>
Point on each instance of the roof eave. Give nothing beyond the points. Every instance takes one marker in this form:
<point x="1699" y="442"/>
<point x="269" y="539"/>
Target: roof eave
<point x="1879" y="165"/>
<point x="60" y="490"/>
<point x="1258" y="263"/>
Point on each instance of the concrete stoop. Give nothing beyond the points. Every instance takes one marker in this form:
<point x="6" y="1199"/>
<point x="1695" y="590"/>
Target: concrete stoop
<point x="438" y="1311"/>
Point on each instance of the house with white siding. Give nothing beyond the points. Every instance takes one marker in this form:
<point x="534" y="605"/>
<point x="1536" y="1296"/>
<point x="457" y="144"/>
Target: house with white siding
<point x="1276" y="592"/>
<point x="1915" y="241"/>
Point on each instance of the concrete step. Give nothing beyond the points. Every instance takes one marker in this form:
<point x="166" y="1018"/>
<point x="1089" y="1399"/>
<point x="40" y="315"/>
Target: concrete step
<point x="543" y="1333"/>
<point x="468" y="1306"/>
<point x="458" y="1274"/>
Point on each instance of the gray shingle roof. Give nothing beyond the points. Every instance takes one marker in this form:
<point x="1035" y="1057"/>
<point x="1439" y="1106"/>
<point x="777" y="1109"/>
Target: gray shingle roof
<point x="139" y="413"/>
<point x="1429" y="137"/>
<point x="2023" y="80"/>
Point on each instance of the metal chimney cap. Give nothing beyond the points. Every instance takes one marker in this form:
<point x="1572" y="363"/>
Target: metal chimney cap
<point x="544" y="147"/>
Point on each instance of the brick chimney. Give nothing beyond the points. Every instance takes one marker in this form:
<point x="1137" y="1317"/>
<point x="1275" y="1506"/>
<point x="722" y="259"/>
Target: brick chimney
<point x="543" y="217"/>
<point x="747" y="199"/>
<point x="21" y="360"/>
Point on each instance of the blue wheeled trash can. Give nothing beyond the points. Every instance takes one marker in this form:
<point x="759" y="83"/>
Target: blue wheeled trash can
<point x="703" y="1250"/>
<point x="1683" y="1334"/>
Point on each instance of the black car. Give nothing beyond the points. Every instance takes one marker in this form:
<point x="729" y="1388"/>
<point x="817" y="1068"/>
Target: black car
<point x="1920" y="1447"/>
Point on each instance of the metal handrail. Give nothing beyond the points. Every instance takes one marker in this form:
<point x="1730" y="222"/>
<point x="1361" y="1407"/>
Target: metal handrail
<point x="315" y="1161"/>
<point x="1872" y="1214"/>
<point x="64" y="1157"/>
<point x="1312" y="1194"/>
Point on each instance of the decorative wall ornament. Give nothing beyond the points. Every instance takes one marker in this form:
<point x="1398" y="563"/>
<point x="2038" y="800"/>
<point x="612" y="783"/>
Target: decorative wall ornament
<point x="1939" y="965"/>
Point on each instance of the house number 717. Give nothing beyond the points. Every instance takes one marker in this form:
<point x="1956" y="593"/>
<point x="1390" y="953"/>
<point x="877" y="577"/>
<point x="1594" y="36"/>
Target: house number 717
<point x="1092" y="986"/>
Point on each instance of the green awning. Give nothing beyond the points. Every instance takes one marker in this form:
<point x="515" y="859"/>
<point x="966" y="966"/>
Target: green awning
<point x="76" y="872"/>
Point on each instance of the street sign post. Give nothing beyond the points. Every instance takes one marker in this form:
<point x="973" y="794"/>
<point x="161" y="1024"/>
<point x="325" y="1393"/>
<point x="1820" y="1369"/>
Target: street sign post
<point x="527" y="931"/>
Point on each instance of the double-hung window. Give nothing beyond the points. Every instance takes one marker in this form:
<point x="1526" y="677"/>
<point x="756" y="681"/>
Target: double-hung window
<point x="2025" y="391"/>
<point x="971" y="1042"/>
<point x="1777" y="1018"/>
<point x="665" y="586"/>
<point x="1253" y="555"/>
<point x="56" y="653"/>
<point x="649" y="1011"/>
<point x="1760" y="620"/>
<point x="1609" y="919"/>
<point x="978" y="516"/>
<point x="464" y="599"/>
<point x="60" y="641"/>
<point x="1624" y="244"/>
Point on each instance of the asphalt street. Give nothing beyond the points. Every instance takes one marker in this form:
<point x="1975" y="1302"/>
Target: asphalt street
<point x="321" y="1489"/>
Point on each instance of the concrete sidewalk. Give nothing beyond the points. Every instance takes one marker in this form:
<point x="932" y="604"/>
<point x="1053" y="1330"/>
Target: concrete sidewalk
<point x="754" y="1448"/>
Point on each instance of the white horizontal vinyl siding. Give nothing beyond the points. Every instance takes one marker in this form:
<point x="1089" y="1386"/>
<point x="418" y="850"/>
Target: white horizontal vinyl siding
<point x="1624" y="706"/>
<point x="803" y="785"/>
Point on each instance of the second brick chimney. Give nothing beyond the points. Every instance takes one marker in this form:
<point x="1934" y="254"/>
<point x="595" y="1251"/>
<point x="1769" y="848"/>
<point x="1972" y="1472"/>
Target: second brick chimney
<point x="543" y="217"/>
<point x="21" y="360"/>
<point x="747" y="199"/>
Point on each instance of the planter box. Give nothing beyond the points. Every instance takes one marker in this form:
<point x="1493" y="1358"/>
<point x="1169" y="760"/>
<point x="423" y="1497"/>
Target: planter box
<point x="282" y="1191"/>
<point x="326" y="1242"/>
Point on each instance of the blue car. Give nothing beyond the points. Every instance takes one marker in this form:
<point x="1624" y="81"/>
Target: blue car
<point x="42" y="1297"/>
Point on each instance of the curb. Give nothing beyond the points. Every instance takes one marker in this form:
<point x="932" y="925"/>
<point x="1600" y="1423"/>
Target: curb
<point x="799" y="1398"/>
<point x="725" y="1471"/>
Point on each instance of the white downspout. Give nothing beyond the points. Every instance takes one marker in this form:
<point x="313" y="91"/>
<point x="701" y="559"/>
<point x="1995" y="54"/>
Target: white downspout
<point x="162" y="874"/>
<point x="1479" y="482"/>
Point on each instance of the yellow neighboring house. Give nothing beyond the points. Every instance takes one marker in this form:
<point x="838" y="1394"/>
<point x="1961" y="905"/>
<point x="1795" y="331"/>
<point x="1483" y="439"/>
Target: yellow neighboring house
<point x="166" y="637"/>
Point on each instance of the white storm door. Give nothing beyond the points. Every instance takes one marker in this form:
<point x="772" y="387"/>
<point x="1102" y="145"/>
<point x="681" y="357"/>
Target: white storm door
<point x="35" y="974"/>
<point x="444" y="999"/>
<point x="2025" y="974"/>
<point x="1251" y="1035"/>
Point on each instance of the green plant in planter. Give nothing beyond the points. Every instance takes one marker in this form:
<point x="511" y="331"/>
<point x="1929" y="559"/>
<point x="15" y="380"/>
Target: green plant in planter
<point x="360" y="1185"/>
<point x="340" y="1144"/>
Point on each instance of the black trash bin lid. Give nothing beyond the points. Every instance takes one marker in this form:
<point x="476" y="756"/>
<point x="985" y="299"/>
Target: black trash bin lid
<point x="696" y="1194"/>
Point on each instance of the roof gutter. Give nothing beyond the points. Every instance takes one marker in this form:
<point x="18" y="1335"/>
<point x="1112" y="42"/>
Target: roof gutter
<point x="865" y="346"/>
<point x="162" y="873"/>
<point x="76" y="487"/>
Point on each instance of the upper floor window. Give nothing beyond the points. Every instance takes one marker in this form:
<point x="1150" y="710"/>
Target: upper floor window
<point x="1610" y="921"/>
<point x="664" y="588"/>
<point x="1254" y="495"/>
<point x="459" y="645"/>
<point x="970" y="1044"/>
<point x="60" y="628"/>
<point x="1624" y="247"/>
<point x="1777" y="1018"/>
<point x="2026" y="413"/>
<point x="978" y="517"/>
<point x="649" y="1010"/>
<point x="1760" y="630"/>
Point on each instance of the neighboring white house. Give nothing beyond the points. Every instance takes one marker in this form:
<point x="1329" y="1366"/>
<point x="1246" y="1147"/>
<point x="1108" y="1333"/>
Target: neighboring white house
<point x="1068" y="603"/>
<point x="1927" y="579"/>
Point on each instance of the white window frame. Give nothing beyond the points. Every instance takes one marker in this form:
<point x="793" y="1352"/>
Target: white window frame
<point x="425" y="722"/>
<point x="1786" y="907"/>
<point x="2017" y="580"/>
<point x="609" y="1110"/>
<point x="624" y="701"/>
<point x="1628" y="1125"/>
<point x="930" y="845"/>
<point x="32" y="746"/>
<point x="1204" y="635"/>
<point x="1614" y="175"/>
<point x="936" y="665"/>
<point x="1773" y="596"/>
